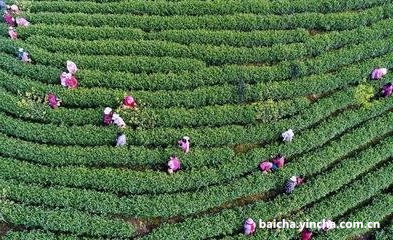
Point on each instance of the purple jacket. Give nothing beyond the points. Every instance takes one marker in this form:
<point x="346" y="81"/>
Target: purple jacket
<point x="9" y="19"/>
<point x="387" y="90"/>
<point x="53" y="101"/>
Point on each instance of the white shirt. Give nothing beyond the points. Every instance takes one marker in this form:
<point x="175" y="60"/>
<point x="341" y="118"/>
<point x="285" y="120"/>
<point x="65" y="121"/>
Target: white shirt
<point x="121" y="140"/>
<point x="288" y="135"/>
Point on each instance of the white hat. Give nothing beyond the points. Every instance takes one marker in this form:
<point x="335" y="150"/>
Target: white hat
<point x="115" y="116"/>
<point x="107" y="110"/>
<point x="249" y="221"/>
<point x="186" y="138"/>
<point x="293" y="178"/>
<point x="20" y="50"/>
<point x="384" y="71"/>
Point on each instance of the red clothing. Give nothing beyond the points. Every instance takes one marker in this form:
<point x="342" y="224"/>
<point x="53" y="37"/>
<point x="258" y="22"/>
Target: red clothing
<point x="306" y="235"/>
<point x="72" y="82"/>
<point x="299" y="181"/>
<point x="129" y="102"/>
<point x="279" y="161"/>
<point x="9" y="19"/>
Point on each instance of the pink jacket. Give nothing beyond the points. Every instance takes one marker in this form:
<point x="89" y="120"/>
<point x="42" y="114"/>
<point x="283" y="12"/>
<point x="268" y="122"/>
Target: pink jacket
<point x="72" y="82"/>
<point x="67" y="80"/>
<point x="63" y="78"/>
<point x="108" y="114"/>
<point x="306" y="234"/>
<point x="184" y="144"/>
<point x="299" y="180"/>
<point x="129" y="102"/>
<point x="9" y="19"/>
<point x="12" y="33"/>
<point x="279" y="161"/>
<point x="265" y="166"/>
<point x="21" y="22"/>
<point x="53" y="101"/>
<point x="378" y="73"/>
<point x="249" y="227"/>
<point x="174" y="164"/>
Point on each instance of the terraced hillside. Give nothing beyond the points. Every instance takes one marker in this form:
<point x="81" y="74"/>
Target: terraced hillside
<point x="233" y="75"/>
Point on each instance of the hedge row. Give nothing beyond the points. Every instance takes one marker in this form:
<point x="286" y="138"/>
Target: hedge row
<point x="42" y="235"/>
<point x="135" y="64"/>
<point x="198" y="8"/>
<point x="214" y="55"/>
<point x="110" y="156"/>
<point x="115" y="180"/>
<point x="222" y="94"/>
<point x="385" y="233"/>
<point x="241" y="22"/>
<point x="65" y="220"/>
<point x="23" y="107"/>
<point x="188" y="203"/>
<point x="380" y="209"/>
<point x="198" y="36"/>
<point x="230" y="220"/>
<point x="103" y="1"/>
<point x="211" y="55"/>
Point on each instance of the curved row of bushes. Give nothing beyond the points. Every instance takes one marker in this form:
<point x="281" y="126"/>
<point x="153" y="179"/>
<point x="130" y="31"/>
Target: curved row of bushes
<point x="64" y="220"/>
<point x="135" y="64"/>
<point x="99" y="136"/>
<point x="380" y="209"/>
<point x="241" y="22"/>
<point x="198" y="36"/>
<point x="110" y="156"/>
<point x="42" y="235"/>
<point x="37" y="111"/>
<point x="200" y="8"/>
<point x="214" y="55"/>
<point x="211" y="55"/>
